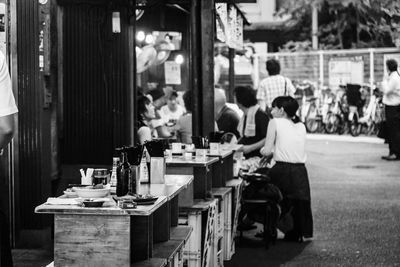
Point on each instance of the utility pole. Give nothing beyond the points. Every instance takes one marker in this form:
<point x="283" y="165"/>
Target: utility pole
<point x="314" y="31"/>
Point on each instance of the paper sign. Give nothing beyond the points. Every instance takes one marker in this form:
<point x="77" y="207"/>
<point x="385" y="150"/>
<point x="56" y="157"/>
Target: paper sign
<point x="172" y="73"/>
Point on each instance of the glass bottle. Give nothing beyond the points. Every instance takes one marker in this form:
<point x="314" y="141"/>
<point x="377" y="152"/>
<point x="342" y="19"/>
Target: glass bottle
<point x="124" y="176"/>
<point x="113" y="179"/>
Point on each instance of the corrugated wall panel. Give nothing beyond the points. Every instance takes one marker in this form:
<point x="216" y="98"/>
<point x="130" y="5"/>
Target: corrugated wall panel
<point x="95" y="85"/>
<point x="29" y="101"/>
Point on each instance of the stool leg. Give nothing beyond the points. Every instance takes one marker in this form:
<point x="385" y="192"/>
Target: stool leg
<point x="266" y="227"/>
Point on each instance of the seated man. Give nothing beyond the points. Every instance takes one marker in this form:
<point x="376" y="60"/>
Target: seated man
<point x="252" y="128"/>
<point x="227" y="119"/>
<point x="172" y="111"/>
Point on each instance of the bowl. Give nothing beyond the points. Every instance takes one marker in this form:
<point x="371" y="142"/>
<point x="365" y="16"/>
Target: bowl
<point x="70" y="193"/>
<point x="92" y="203"/>
<point x="89" y="192"/>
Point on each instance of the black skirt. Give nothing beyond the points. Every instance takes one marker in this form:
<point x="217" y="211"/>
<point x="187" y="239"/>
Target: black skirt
<point x="292" y="180"/>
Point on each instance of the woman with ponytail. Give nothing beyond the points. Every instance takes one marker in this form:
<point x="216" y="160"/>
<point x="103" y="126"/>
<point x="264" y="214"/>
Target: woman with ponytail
<point x="285" y="143"/>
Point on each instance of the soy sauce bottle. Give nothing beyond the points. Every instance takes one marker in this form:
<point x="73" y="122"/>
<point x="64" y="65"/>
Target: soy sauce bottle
<point x="124" y="175"/>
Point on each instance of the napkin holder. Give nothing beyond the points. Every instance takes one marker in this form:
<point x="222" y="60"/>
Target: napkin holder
<point x="136" y="176"/>
<point x="157" y="170"/>
<point x="214" y="148"/>
<point x="201" y="153"/>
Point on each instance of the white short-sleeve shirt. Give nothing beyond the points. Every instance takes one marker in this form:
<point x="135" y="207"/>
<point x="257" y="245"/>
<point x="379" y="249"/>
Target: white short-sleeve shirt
<point x="7" y="101"/>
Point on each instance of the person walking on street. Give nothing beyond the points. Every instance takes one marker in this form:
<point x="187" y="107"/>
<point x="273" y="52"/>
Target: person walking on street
<point x="273" y="86"/>
<point x="8" y="108"/>
<point x="391" y="99"/>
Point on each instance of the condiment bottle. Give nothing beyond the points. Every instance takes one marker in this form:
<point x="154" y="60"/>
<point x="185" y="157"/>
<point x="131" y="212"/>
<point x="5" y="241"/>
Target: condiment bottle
<point x="113" y="180"/>
<point x="124" y="175"/>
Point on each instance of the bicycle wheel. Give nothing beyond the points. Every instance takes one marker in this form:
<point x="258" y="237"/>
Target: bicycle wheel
<point x="355" y="128"/>
<point x="332" y="123"/>
<point x="312" y="124"/>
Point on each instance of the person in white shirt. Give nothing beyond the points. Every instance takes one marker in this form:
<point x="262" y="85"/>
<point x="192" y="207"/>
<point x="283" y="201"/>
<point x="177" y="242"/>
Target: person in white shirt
<point x="172" y="111"/>
<point x="8" y="109"/>
<point x="391" y="99"/>
<point x="273" y="86"/>
<point x="285" y="142"/>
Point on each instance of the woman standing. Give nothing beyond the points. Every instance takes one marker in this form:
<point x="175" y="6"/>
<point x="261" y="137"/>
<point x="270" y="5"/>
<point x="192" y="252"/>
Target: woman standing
<point x="285" y="142"/>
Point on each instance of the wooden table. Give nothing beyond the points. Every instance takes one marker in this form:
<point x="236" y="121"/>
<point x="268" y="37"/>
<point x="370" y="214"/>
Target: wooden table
<point x="110" y="236"/>
<point x="201" y="169"/>
<point x="223" y="171"/>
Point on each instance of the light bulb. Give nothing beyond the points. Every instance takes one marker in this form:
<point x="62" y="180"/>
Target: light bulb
<point x="149" y="39"/>
<point x="179" y="59"/>
<point x="140" y="36"/>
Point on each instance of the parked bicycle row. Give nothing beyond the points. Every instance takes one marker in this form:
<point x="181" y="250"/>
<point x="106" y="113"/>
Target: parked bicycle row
<point x="351" y="109"/>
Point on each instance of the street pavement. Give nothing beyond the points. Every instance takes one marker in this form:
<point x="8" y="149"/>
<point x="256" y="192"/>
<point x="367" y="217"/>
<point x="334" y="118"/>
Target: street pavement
<point x="356" y="209"/>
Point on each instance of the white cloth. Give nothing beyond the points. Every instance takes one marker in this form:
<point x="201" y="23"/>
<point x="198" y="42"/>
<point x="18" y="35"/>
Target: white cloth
<point x="391" y="89"/>
<point x="61" y="201"/>
<point x="167" y="115"/>
<point x="7" y="101"/>
<point x="274" y="86"/>
<point x="290" y="141"/>
<point x="250" y="127"/>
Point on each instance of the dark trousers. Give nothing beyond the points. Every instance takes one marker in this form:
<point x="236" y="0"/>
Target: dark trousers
<point x="5" y="249"/>
<point x="393" y="128"/>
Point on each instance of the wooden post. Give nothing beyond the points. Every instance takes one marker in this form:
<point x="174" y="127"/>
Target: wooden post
<point x="207" y="65"/>
<point x="132" y="87"/>
<point x="231" y="74"/>
<point x="194" y="66"/>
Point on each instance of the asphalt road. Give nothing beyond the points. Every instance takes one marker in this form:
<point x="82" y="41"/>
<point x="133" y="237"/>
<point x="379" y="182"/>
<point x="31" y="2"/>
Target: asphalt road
<point x="356" y="208"/>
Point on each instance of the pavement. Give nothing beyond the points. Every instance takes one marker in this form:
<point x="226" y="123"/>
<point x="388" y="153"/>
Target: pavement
<point x="356" y="209"/>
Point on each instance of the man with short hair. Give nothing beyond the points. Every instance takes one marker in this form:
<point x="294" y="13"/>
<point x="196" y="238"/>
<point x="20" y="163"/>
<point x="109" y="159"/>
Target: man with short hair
<point x="273" y="86"/>
<point x="227" y="119"/>
<point x="8" y="109"/>
<point x="391" y="99"/>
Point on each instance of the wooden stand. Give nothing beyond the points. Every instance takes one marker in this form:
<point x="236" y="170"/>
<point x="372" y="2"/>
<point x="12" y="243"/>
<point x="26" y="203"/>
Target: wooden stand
<point x="224" y="222"/>
<point x="237" y="187"/>
<point x="202" y="217"/>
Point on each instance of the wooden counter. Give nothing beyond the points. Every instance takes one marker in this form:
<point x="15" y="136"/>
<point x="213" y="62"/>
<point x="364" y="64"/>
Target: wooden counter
<point x="110" y="236"/>
<point x="201" y="169"/>
<point x="223" y="170"/>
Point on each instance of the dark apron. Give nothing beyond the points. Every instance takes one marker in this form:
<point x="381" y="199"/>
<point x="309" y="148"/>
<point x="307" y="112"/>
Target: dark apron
<point x="292" y="180"/>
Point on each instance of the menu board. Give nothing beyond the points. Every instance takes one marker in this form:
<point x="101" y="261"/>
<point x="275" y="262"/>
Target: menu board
<point x="172" y="73"/>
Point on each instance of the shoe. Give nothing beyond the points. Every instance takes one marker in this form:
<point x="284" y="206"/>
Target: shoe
<point x="246" y="227"/>
<point x="385" y="157"/>
<point x="260" y="234"/>
<point x="391" y="157"/>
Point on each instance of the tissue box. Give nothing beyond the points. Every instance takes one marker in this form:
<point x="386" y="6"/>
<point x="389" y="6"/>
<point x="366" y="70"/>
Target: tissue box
<point x="157" y="170"/>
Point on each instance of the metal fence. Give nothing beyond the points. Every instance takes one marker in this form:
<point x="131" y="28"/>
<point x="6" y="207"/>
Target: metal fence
<point x="316" y="66"/>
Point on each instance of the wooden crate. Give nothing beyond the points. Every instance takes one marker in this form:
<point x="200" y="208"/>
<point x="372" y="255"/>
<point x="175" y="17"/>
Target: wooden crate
<point x="237" y="187"/>
<point x="224" y="222"/>
<point x="202" y="217"/>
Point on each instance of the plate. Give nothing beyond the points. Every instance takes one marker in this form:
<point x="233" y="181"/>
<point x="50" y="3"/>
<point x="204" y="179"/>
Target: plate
<point x="70" y="194"/>
<point x="92" y="203"/>
<point x="87" y="192"/>
<point x="142" y="200"/>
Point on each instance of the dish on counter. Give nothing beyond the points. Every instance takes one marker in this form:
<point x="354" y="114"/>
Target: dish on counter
<point x="92" y="203"/>
<point x="90" y="191"/>
<point x="139" y="199"/>
<point x="70" y="193"/>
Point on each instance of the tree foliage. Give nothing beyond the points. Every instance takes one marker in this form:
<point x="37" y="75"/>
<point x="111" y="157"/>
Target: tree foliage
<point x="343" y="23"/>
